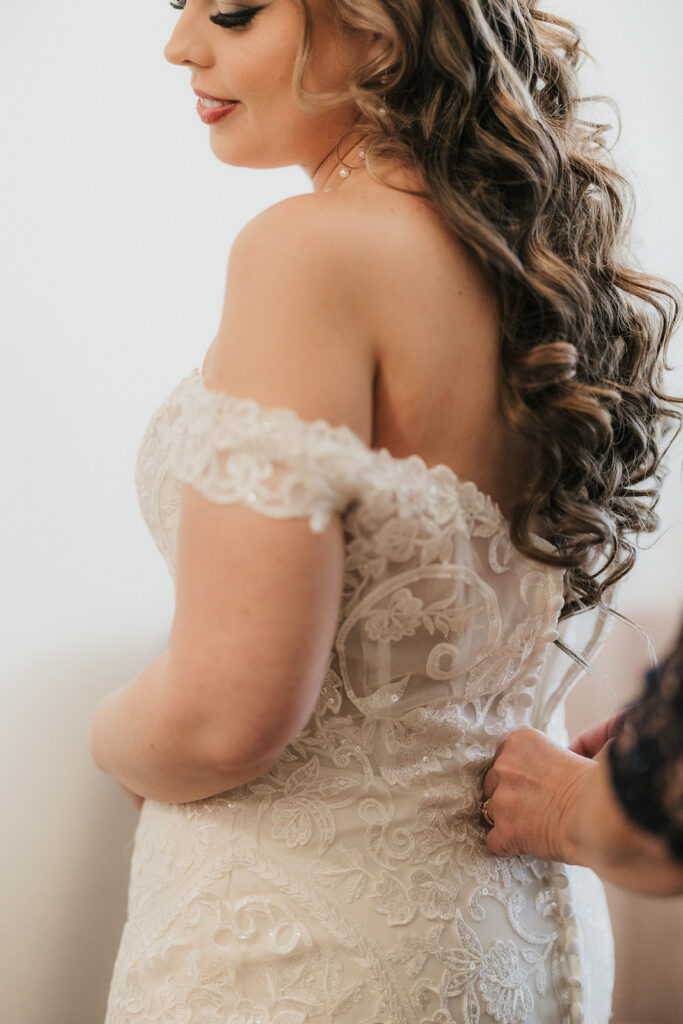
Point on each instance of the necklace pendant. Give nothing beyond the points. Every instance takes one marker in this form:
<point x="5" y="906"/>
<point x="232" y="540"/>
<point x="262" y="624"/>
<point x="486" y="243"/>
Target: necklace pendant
<point x="344" y="172"/>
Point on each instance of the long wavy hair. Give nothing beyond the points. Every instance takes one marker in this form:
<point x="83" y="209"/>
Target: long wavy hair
<point x="483" y="96"/>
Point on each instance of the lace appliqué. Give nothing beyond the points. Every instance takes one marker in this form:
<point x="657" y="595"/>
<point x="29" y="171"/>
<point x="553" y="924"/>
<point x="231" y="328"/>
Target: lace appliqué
<point x="350" y="884"/>
<point x="235" y="451"/>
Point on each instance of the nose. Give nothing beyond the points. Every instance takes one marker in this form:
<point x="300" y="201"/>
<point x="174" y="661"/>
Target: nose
<point x="188" y="44"/>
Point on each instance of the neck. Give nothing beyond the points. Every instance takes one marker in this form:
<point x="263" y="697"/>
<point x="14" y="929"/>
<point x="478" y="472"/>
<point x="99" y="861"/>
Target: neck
<point x="324" y="175"/>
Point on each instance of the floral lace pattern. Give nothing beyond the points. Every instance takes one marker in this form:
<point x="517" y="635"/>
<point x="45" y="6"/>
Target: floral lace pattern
<point x="350" y="884"/>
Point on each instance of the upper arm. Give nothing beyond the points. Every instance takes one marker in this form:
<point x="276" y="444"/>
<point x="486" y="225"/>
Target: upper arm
<point x="257" y="598"/>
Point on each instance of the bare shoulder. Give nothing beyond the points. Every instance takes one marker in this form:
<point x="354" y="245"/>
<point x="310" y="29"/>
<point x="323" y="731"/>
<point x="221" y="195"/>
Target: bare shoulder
<point x="296" y="213"/>
<point x="384" y="257"/>
<point x="312" y="246"/>
<point x="299" y="226"/>
<point x="351" y="231"/>
<point x="291" y="332"/>
<point x="413" y="272"/>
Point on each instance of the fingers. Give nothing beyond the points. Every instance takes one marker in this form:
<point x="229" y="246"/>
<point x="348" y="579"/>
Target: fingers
<point x="501" y="748"/>
<point x="496" y="844"/>
<point x="616" y="722"/>
<point x="580" y="746"/>
<point x="490" y="782"/>
<point x="486" y="812"/>
<point x="593" y="739"/>
<point x="492" y="776"/>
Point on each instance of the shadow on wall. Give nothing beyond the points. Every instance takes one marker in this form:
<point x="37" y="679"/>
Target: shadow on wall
<point x="648" y="987"/>
<point x="66" y="869"/>
<point x="92" y="915"/>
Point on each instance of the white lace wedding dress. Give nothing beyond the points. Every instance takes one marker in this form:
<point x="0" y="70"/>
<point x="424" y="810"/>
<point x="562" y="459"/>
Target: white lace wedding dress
<point x="350" y="884"/>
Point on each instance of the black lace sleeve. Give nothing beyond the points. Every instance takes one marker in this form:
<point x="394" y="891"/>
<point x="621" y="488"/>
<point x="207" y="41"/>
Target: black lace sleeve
<point x="646" y="756"/>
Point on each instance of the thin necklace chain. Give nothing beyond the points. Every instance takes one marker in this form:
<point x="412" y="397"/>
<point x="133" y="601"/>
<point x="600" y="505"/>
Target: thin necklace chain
<point x="344" y="172"/>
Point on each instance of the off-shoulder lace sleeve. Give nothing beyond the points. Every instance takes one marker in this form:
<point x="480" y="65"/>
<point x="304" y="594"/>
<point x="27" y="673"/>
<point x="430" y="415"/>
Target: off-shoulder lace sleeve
<point x="236" y="451"/>
<point x="646" y="756"/>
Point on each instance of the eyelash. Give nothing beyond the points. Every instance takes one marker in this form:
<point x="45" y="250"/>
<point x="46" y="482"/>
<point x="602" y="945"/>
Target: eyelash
<point x="239" y="19"/>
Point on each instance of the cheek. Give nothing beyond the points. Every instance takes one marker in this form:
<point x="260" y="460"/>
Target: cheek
<point x="237" y="72"/>
<point x="260" y="74"/>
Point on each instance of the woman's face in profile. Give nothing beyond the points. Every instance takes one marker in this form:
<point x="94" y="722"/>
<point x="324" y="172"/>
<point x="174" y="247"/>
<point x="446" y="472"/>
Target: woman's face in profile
<point x="250" y="58"/>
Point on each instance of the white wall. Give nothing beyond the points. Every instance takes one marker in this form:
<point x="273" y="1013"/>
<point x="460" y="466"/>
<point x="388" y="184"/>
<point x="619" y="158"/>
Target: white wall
<point x="116" y="224"/>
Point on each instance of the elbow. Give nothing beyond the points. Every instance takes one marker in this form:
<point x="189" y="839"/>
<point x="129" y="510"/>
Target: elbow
<point x="232" y="745"/>
<point x="236" y="726"/>
<point x="237" y="750"/>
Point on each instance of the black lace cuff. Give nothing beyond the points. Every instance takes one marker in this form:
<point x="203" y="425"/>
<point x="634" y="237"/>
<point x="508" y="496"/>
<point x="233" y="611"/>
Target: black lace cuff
<point x="646" y="756"/>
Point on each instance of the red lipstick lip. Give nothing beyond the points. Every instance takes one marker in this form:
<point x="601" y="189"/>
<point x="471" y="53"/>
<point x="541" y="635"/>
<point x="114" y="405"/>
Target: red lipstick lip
<point x="217" y="113"/>
<point x="206" y="96"/>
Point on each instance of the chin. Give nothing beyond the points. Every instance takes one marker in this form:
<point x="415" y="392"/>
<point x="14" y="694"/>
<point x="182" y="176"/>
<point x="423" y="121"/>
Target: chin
<point x="230" y="156"/>
<point x="223" y="151"/>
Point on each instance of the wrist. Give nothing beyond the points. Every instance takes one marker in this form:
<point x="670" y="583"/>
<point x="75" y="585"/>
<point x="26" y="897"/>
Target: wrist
<point x="574" y="837"/>
<point x="616" y="848"/>
<point x="603" y="835"/>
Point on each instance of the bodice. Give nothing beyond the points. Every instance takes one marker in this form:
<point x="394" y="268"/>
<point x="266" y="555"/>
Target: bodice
<point x="444" y="645"/>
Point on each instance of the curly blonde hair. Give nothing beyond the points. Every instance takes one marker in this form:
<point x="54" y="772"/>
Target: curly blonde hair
<point x="483" y="96"/>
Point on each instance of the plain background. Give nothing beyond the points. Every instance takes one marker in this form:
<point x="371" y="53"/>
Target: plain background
<point x="117" y="221"/>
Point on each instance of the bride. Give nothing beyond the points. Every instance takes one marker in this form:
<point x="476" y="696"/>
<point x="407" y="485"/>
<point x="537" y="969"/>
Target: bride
<point x="425" y="430"/>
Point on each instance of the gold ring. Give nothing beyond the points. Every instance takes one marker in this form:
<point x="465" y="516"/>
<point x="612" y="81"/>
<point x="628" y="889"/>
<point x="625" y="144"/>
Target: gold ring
<point x="485" y="813"/>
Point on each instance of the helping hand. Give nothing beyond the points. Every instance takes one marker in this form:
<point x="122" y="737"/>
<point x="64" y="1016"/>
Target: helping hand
<point x="531" y="790"/>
